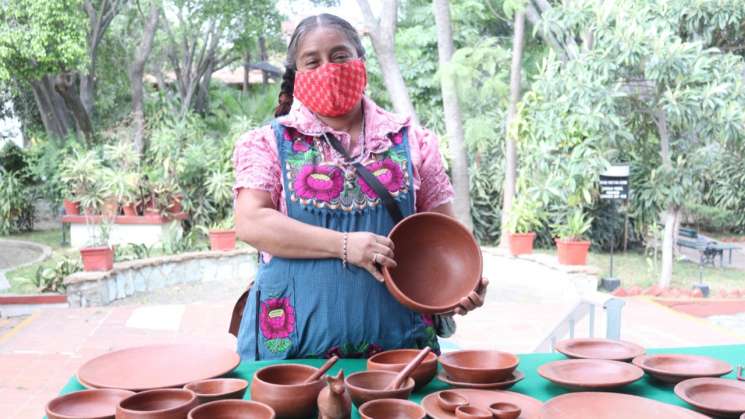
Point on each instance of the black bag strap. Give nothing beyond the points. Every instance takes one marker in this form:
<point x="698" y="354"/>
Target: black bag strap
<point x="370" y="179"/>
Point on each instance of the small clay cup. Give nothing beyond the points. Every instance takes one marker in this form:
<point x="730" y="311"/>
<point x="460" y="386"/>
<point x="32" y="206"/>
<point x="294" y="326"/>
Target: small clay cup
<point x="165" y="403"/>
<point x="86" y="404"/>
<point x="281" y="387"/>
<point x="364" y="386"/>
<point x="450" y="400"/>
<point x="504" y="410"/>
<point x="397" y="359"/>
<point x="391" y="408"/>
<point x="218" y="389"/>
<point x="472" y="412"/>
<point x="479" y="366"/>
<point x="232" y="409"/>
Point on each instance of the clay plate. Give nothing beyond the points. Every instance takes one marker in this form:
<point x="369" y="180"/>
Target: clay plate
<point x="397" y="359"/>
<point x="598" y="405"/>
<point x="479" y="366"/>
<point x="157" y="366"/>
<point x="500" y="385"/>
<point x="676" y="368"/>
<point x="590" y="374"/>
<point x="483" y="398"/>
<point x="86" y="404"/>
<point x="391" y="408"/>
<point x="714" y="396"/>
<point x="232" y="409"/>
<point x="596" y="348"/>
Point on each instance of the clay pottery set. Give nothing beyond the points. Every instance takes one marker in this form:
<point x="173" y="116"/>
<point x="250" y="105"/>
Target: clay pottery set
<point x="166" y="403"/>
<point x="516" y="377"/>
<point x="218" y="389"/>
<point x="676" y="368"/>
<point x="590" y="374"/>
<point x="597" y="348"/>
<point x="599" y="405"/>
<point x="87" y="404"/>
<point x="232" y="409"/>
<point x="479" y="366"/>
<point x="283" y="388"/>
<point x="439" y="263"/>
<point x="364" y="386"/>
<point x="397" y="359"/>
<point x="714" y="396"/>
<point x="391" y="409"/>
<point x="484" y="400"/>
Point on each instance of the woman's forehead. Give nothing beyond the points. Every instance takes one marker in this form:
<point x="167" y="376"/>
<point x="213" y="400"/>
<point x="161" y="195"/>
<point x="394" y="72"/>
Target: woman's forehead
<point x="323" y="39"/>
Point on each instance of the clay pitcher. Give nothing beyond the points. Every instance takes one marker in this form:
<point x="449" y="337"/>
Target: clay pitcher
<point x="334" y="401"/>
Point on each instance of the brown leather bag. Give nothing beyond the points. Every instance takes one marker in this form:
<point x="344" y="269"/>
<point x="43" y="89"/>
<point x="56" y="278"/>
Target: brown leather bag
<point x="237" y="316"/>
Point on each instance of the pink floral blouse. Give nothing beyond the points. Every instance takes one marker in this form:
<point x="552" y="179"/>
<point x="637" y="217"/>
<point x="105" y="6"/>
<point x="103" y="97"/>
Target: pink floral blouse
<point x="257" y="164"/>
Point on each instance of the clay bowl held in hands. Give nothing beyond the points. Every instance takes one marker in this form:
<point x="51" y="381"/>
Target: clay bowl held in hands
<point x="598" y="348"/>
<point x="450" y="400"/>
<point x="479" y="366"/>
<point x="504" y="410"/>
<point x="281" y="387"/>
<point x="86" y="404"/>
<point x="672" y="368"/>
<point x="232" y="409"/>
<point x="397" y="359"/>
<point x="168" y="403"/>
<point x="391" y="408"/>
<point x="218" y="389"/>
<point x="364" y="386"/>
<point x="472" y="412"/>
<point x="718" y="397"/>
<point x="439" y="263"/>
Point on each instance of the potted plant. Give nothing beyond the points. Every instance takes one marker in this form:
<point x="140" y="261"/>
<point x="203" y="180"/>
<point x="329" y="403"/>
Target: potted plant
<point x="78" y="175"/>
<point x="98" y="255"/>
<point x="222" y="235"/>
<point x="123" y="187"/>
<point x="525" y="216"/>
<point x="571" y="246"/>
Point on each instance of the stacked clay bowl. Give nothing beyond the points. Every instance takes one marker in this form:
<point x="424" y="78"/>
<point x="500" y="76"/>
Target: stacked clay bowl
<point x="371" y="385"/>
<point x="167" y="403"/>
<point x="479" y="366"/>
<point x="397" y="359"/>
<point x="232" y="409"/>
<point x="282" y="388"/>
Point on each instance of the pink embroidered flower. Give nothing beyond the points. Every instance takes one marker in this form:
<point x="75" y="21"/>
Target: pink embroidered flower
<point x="388" y="172"/>
<point x="300" y="142"/>
<point x="397" y="138"/>
<point x="277" y="318"/>
<point x="321" y="182"/>
<point x="373" y="349"/>
<point x="427" y="319"/>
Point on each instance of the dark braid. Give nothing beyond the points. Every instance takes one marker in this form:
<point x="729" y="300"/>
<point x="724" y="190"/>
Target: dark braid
<point x="286" y="93"/>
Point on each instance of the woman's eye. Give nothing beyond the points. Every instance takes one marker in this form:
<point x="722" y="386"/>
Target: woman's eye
<point x="341" y="57"/>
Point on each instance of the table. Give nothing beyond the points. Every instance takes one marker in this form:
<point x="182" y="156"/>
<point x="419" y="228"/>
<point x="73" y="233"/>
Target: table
<point x="533" y="385"/>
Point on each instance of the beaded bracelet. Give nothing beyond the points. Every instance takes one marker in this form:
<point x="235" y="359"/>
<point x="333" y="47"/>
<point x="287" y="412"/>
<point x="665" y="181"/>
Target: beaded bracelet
<point x="344" y="259"/>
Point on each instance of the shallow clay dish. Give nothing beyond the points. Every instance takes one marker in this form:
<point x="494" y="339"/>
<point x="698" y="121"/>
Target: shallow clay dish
<point x="439" y="263"/>
<point x="472" y="412"/>
<point x="499" y="385"/>
<point x="391" y="409"/>
<point x="503" y="410"/>
<point x="529" y="406"/>
<point x="281" y="387"/>
<point x="218" y="389"/>
<point x="165" y="403"/>
<point x="157" y="366"/>
<point x="597" y="348"/>
<point x="232" y="409"/>
<point x="86" y="404"/>
<point x="397" y="359"/>
<point x="449" y="400"/>
<point x="676" y="368"/>
<point x="714" y="396"/>
<point x="364" y="386"/>
<point x="598" y="405"/>
<point x="590" y="374"/>
<point x="479" y="366"/>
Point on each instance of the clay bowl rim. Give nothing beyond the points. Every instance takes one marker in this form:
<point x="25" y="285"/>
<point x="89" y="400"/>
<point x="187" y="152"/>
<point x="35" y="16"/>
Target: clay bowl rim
<point x="641" y="362"/>
<point x="244" y="386"/>
<point x="682" y="387"/>
<point x="513" y="408"/>
<point x="443" y="403"/>
<point x="446" y="363"/>
<point x="419" y="408"/>
<point x="287" y="386"/>
<point x="550" y="372"/>
<point x="408" y="387"/>
<point x="563" y="346"/>
<point x="417" y="306"/>
<point x="191" y="400"/>
<point x="429" y="360"/>
<point x="65" y="397"/>
<point x="233" y="401"/>
<point x="462" y="408"/>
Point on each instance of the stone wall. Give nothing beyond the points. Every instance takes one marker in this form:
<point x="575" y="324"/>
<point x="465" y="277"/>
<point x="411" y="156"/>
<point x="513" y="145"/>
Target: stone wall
<point x="85" y="289"/>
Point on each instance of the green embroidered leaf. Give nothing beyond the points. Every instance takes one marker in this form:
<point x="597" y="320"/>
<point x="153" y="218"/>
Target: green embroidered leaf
<point x="278" y="345"/>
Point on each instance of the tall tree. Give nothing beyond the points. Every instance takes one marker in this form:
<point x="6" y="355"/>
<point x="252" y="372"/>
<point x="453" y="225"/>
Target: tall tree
<point x="136" y="74"/>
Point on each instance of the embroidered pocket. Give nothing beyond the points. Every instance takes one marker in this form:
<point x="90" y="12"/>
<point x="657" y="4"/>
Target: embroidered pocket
<point x="277" y="322"/>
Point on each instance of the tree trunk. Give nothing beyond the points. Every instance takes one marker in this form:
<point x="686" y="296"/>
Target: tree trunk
<point x="510" y="149"/>
<point x="670" y="217"/>
<point x="52" y="125"/>
<point x="136" y="73"/>
<point x="453" y="120"/>
<point x="246" y="70"/>
<point x="264" y="57"/>
<point x="87" y="86"/>
<point x="65" y="86"/>
<point x="203" y="92"/>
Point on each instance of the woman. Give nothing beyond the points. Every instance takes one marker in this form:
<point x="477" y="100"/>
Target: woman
<point x="321" y="228"/>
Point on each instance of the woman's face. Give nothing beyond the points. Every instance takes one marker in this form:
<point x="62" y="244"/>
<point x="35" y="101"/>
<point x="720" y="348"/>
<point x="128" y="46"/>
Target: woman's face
<point x="321" y="46"/>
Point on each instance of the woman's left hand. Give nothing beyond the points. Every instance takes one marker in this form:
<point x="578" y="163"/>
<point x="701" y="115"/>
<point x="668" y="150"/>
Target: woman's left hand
<point x="474" y="300"/>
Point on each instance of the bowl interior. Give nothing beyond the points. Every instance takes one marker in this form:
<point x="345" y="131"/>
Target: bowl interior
<point x="597" y="347"/>
<point x="717" y="395"/>
<point x="391" y="408"/>
<point x="217" y="386"/>
<point x="593" y="371"/>
<point x="371" y="380"/>
<point x="401" y="357"/>
<point x="685" y="364"/>
<point x="88" y="403"/>
<point x="286" y="374"/>
<point x="157" y="400"/>
<point x="232" y="409"/>
<point x="479" y="360"/>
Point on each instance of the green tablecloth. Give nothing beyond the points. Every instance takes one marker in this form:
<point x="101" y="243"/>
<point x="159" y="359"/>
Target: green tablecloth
<point x="533" y="385"/>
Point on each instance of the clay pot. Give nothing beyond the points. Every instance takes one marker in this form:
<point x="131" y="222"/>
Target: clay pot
<point x="281" y="387"/>
<point x="504" y="410"/>
<point x="620" y="292"/>
<point x="218" y="389"/>
<point x="364" y="386"/>
<point x="391" y="408"/>
<point x="222" y="240"/>
<point x="479" y="366"/>
<point x="110" y="208"/>
<point x="71" y="207"/>
<point x="97" y="258"/>
<point x="439" y="263"/>
<point x="450" y="400"/>
<point x="521" y="243"/>
<point x="232" y="409"/>
<point x="572" y="252"/>
<point x="175" y="206"/>
<point x="167" y="403"/>
<point x="472" y="412"/>
<point x="397" y="359"/>
<point x="87" y="404"/>
<point x="130" y="210"/>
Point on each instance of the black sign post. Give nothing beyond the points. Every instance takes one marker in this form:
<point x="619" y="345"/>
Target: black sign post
<point x="614" y="186"/>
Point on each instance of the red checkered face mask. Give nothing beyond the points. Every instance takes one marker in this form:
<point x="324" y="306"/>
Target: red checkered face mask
<point x="332" y="89"/>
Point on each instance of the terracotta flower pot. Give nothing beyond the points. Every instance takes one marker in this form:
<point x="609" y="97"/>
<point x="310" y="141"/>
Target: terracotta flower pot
<point x="521" y="243"/>
<point x="97" y="258"/>
<point x="222" y="240"/>
<point x="110" y="208"/>
<point x="71" y="207"/>
<point x="572" y="252"/>
<point x="175" y="206"/>
<point x="130" y="210"/>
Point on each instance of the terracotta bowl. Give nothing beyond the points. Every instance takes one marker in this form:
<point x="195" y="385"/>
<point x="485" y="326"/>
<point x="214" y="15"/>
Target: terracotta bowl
<point x="439" y="263"/>
<point x="479" y="366"/>
<point x="86" y="404"/>
<point x="450" y="400"/>
<point x="364" y="386"/>
<point x="218" y="389"/>
<point x="232" y="409"/>
<point x="169" y="403"/>
<point x="391" y="408"/>
<point x="472" y="412"/>
<point x="504" y="410"/>
<point x="281" y="388"/>
<point x="397" y="359"/>
<point x="674" y="368"/>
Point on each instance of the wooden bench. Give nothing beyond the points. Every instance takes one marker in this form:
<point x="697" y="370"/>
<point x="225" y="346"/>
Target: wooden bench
<point x="708" y="248"/>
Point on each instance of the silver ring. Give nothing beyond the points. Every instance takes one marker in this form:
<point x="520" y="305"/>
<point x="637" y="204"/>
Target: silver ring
<point x="375" y="257"/>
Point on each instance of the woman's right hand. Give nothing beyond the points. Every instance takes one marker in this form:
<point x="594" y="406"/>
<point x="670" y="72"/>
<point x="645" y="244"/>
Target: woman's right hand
<point x="369" y="251"/>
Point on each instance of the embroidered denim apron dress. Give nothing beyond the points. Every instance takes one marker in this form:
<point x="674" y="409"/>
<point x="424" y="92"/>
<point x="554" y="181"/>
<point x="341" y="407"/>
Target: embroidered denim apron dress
<point x="316" y="308"/>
